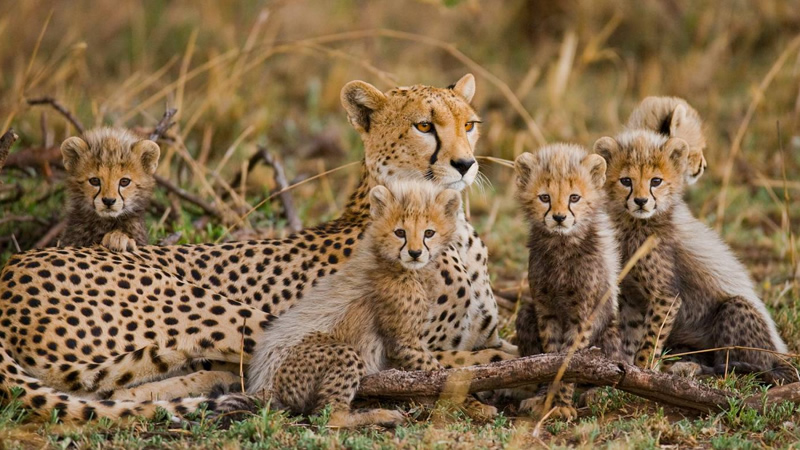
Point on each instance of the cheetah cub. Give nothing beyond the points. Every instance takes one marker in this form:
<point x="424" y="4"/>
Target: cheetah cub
<point x="365" y="318"/>
<point x="674" y="117"/>
<point x="690" y="292"/>
<point x="573" y="263"/>
<point x="110" y="180"/>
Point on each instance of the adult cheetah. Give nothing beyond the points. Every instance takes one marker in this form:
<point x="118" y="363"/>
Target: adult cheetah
<point x="93" y="323"/>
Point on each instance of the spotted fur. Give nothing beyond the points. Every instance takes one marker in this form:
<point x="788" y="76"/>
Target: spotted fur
<point x="110" y="180"/>
<point x="690" y="292"/>
<point x="573" y="263"/>
<point x="91" y="323"/>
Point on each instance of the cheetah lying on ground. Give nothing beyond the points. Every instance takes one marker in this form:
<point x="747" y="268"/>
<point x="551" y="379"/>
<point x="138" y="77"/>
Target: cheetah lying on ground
<point x="93" y="323"/>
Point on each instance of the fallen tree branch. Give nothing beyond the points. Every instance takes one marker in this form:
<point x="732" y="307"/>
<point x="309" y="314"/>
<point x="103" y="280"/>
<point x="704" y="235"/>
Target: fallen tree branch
<point x="6" y="141"/>
<point x="36" y="157"/>
<point x="585" y="366"/>
<point x="61" y="109"/>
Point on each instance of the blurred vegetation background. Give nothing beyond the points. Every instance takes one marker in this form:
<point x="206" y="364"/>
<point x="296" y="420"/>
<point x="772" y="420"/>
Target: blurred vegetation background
<point x="249" y="74"/>
<point x="244" y="74"/>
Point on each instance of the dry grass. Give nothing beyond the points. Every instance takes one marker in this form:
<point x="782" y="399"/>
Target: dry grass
<point x="246" y="74"/>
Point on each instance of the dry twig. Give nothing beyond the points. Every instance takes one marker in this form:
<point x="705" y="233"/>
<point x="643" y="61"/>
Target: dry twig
<point x="61" y="109"/>
<point x="163" y="125"/>
<point x="289" y="209"/>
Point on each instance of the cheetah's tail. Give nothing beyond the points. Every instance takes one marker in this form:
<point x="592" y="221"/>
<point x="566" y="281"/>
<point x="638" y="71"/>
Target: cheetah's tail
<point x="44" y="402"/>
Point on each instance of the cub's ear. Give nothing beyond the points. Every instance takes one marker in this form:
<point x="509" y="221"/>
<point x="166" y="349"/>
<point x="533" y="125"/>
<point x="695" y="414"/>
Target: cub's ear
<point x="360" y="100"/>
<point x="149" y="153"/>
<point x="379" y="200"/>
<point x="597" y="169"/>
<point x="678" y="151"/>
<point x="523" y="166"/>
<point x="606" y="147"/>
<point x="678" y="119"/>
<point x="465" y="87"/>
<point x="451" y="199"/>
<point x="71" y="151"/>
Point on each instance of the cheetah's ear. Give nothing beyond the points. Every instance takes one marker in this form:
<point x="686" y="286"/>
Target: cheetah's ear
<point x="149" y="153"/>
<point x="678" y="119"/>
<point x="360" y="100"/>
<point x="596" y="166"/>
<point x="678" y="151"/>
<point x="451" y="199"/>
<point x="465" y="87"/>
<point x="379" y="200"/>
<point x="606" y="147"/>
<point x="524" y="165"/>
<point x="71" y="151"/>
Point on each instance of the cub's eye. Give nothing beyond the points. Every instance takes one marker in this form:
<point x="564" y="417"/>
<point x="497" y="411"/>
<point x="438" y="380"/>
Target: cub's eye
<point x="429" y="233"/>
<point x="544" y="198"/>
<point x="574" y="198"/>
<point x="124" y="182"/>
<point x="425" y="127"/>
<point x="656" y="182"/>
<point x="400" y="233"/>
<point x="625" y="181"/>
<point x="94" y="181"/>
<point x="469" y="126"/>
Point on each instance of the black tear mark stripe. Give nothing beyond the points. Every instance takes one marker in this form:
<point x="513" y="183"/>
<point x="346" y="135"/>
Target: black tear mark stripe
<point x="655" y="200"/>
<point x="630" y="192"/>
<point x="435" y="155"/>
<point x="119" y="191"/>
<point x="549" y="207"/>
<point x="569" y="207"/>
<point x="400" y="252"/>
<point x="98" y="191"/>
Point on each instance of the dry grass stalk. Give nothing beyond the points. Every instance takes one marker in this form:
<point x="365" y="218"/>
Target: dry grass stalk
<point x="736" y="146"/>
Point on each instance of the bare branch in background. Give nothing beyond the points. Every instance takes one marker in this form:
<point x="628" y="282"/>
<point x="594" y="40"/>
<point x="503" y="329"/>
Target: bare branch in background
<point x="188" y="196"/>
<point x="51" y="234"/>
<point x="295" y="224"/>
<point x="163" y="125"/>
<point x="61" y="109"/>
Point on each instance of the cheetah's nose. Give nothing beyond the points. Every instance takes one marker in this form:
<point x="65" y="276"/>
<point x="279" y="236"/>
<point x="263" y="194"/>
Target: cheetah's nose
<point x="109" y="201"/>
<point x="559" y="218"/>
<point x="415" y="253"/>
<point x="640" y="201"/>
<point x="462" y="165"/>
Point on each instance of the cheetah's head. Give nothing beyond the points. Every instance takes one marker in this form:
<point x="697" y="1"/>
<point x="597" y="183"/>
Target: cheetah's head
<point x="417" y="132"/>
<point x="560" y="186"/>
<point x="646" y="171"/>
<point x="412" y="222"/>
<point x="110" y="171"/>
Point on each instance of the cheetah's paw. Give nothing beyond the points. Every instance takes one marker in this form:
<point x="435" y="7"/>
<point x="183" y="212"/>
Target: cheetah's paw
<point x="685" y="369"/>
<point x="535" y="407"/>
<point x="118" y="241"/>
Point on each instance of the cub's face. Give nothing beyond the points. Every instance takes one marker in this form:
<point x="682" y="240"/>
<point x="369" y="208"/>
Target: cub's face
<point x="412" y="224"/>
<point x="560" y="187"/>
<point x="106" y="177"/>
<point x="646" y="172"/>
<point x="417" y="132"/>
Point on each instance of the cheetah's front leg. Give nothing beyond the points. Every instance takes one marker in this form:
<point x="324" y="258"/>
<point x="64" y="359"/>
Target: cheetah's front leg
<point x="658" y="321"/>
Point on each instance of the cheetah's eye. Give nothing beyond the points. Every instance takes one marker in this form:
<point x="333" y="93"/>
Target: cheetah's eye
<point x="574" y="198"/>
<point x="656" y="182"/>
<point x="469" y="126"/>
<point x="400" y="233"/>
<point x="425" y="127"/>
<point x="94" y="181"/>
<point x="429" y="233"/>
<point x="124" y="182"/>
<point x="625" y="182"/>
<point x="544" y="198"/>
